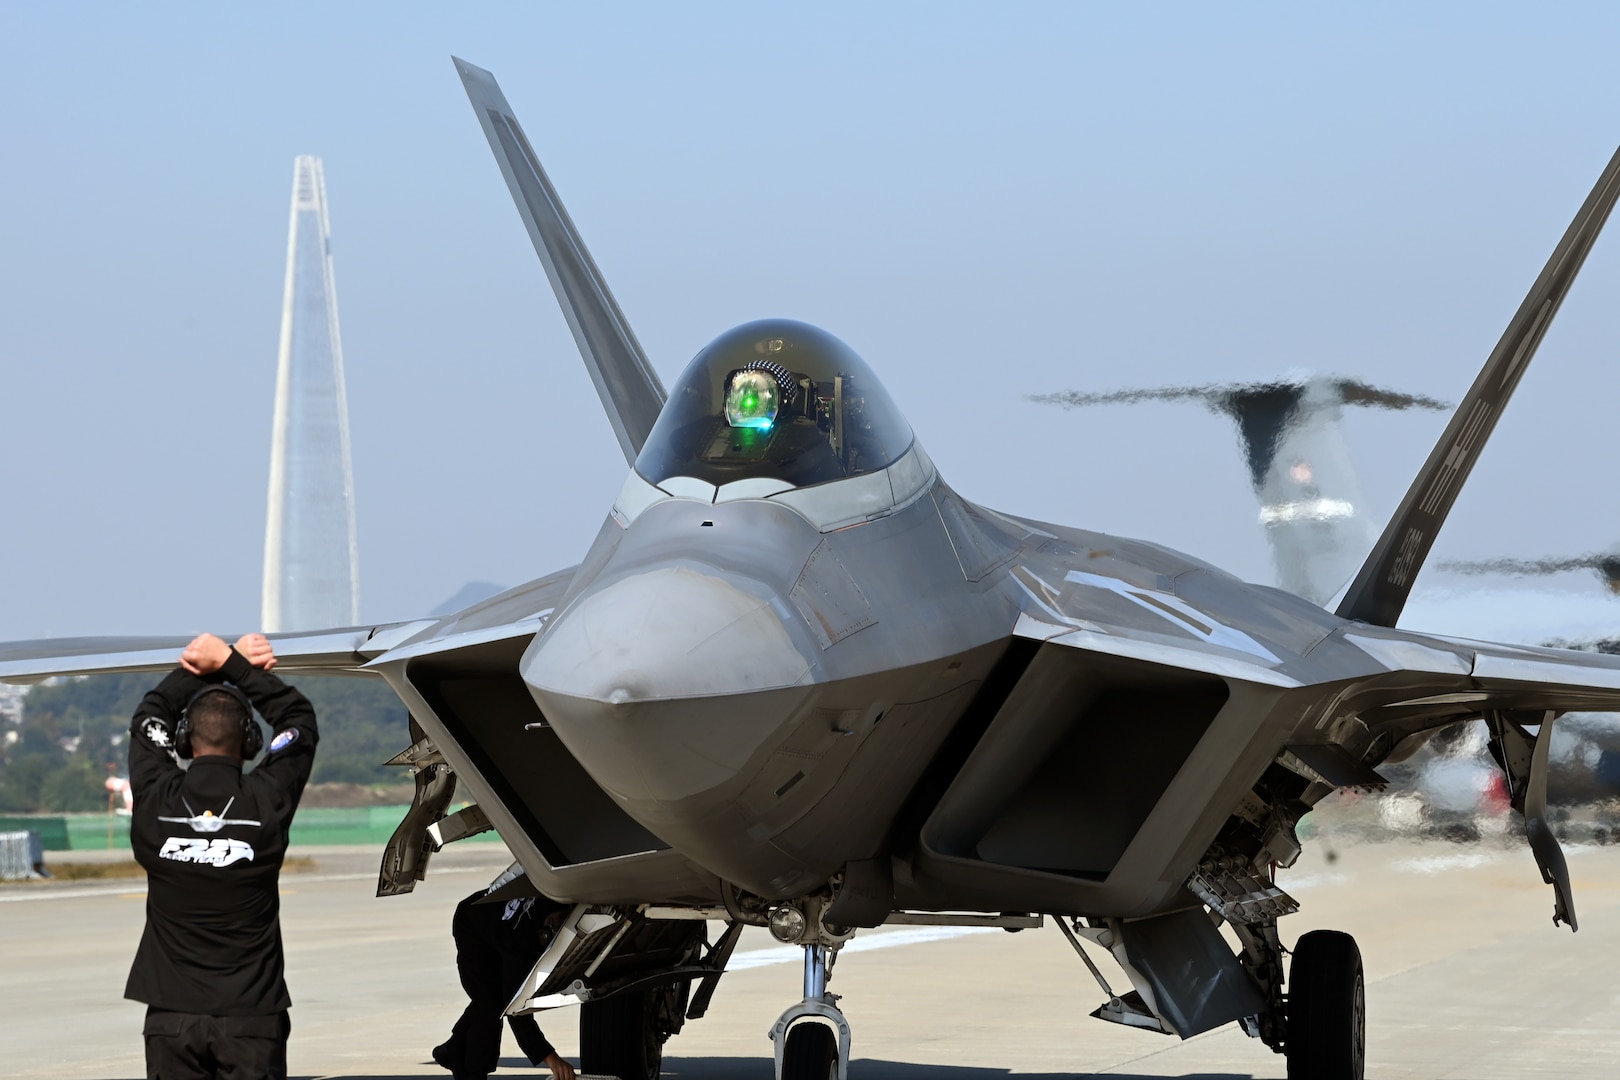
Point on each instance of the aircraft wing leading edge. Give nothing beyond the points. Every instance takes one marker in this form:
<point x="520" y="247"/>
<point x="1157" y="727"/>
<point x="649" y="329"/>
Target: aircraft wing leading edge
<point x="1379" y="591"/>
<point x="320" y="652"/>
<point x="627" y="384"/>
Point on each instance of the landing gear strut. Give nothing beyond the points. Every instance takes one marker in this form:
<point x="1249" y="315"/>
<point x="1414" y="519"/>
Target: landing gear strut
<point x="806" y="1047"/>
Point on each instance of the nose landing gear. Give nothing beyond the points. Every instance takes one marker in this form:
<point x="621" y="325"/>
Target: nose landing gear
<point x="806" y="1046"/>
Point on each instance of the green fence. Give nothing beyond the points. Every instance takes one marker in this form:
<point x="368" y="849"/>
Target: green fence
<point x="323" y="825"/>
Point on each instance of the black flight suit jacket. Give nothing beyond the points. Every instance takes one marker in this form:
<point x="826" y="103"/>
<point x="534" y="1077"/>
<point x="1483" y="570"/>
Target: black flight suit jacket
<point x="212" y="840"/>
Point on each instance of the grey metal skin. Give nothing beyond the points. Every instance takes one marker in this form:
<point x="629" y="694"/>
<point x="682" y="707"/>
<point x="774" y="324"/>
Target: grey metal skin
<point x="871" y="687"/>
<point x="772" y="760"/>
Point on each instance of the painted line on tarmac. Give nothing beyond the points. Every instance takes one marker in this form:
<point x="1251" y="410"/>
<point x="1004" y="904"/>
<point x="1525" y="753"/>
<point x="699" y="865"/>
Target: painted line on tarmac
<point x="137" y="886"/>
<point x="1473" y="860"/>
<point x="1311" y="881"/>
<point x="1439" y="864"/>
<point x="913" y="935"/>
<point x="122" y="888"/>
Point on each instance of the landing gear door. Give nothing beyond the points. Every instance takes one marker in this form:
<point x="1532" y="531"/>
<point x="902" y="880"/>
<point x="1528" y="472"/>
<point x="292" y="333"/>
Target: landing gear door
<point x="599" y="952"/>
<point x="405" y="858"/>
<point x="562" y="969"/>
<point x="1523" y="758"/>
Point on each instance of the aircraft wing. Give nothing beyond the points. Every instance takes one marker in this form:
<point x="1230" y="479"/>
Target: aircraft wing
<point x="1206" y="623"/>
<point x="1520" y="677"/>
<point x="339" y="651"/>
<point x="324" y="652"/>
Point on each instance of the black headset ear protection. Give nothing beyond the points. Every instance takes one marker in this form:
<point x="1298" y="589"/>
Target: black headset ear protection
<point x="252" y="737"/>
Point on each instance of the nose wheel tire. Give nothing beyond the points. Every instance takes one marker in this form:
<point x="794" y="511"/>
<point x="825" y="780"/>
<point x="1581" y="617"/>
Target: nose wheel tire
<point x="618" y="1037"/>
<point x="1327" y="1009"/>
<point x="811" y="1053"/>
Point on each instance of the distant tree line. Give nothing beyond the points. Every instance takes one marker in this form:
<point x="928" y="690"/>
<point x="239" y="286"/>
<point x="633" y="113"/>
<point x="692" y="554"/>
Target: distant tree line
<point x="57" y="759"/>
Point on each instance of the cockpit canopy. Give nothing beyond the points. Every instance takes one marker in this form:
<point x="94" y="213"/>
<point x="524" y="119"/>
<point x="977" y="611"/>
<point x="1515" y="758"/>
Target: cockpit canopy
<point x="776" y="399"/>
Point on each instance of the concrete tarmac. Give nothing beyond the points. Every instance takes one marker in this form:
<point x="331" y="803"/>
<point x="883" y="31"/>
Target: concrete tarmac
<point x="1467" y="980"/>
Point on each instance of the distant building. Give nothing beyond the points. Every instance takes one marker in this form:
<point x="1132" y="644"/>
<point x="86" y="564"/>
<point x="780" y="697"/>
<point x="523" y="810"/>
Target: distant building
<point x="311" y="561"/>
<point x="11" y="703"/>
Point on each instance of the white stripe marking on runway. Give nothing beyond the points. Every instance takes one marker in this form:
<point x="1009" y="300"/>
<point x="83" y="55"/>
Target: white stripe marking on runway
<point x="125" y="886"/>
<point x="911" y="935"/>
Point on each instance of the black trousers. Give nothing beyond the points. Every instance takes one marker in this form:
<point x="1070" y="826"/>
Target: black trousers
<point x="190" y="1046"/>
<point x="492" y="957"/>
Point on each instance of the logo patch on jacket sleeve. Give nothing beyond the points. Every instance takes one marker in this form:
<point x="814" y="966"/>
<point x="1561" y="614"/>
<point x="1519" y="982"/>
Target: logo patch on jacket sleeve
<point x="284" y="739"/>
<point x="156" y="732"/>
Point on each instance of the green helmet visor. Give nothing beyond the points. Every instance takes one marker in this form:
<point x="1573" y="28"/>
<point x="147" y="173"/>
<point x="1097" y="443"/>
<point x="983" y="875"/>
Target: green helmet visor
<point x="752" y="399"/>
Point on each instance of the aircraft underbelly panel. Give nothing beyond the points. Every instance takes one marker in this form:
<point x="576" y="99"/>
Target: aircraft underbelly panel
<point x="855" y="822"/>
<point x="811" y="778"/>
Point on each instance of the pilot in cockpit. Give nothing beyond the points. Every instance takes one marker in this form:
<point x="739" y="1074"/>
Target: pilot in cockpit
<point x="771" y="413"/>
<point x="779" y="401"/>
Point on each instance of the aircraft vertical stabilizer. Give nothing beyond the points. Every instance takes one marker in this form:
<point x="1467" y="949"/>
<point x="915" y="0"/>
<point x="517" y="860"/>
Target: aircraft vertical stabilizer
<point x="1379" y="591"/>
<point x="627" y="384"/>
<point x="311" y="558"/>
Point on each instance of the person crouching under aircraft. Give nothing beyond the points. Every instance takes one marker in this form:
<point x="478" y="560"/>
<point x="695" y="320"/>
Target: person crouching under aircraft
<point x="211" y="839"/>
<point x="496" y="946"/>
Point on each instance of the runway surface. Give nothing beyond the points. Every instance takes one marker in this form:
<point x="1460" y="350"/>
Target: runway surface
<point x="1468" y="980"/>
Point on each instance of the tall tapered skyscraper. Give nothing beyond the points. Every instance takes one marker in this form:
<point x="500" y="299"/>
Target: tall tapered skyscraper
<point x="311" y="561"/>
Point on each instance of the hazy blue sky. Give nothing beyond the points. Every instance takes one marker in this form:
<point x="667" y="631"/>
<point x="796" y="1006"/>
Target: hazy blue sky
<point x="984" y="201"/>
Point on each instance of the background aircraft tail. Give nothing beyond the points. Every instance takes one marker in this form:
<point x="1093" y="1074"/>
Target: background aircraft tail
<point x="1310" y="498"/>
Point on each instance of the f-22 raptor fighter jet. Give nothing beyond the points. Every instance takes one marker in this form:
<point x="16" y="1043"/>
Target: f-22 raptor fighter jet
<point x="799" y="682"/>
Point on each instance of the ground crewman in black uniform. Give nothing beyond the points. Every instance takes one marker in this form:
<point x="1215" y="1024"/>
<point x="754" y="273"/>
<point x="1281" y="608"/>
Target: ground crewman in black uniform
<point x="211" y="839"/>
<point x="497" y="945"/>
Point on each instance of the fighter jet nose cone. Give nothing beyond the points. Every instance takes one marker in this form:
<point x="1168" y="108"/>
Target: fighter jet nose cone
<point x="664" y="684"/>
<point x="669" y="632"/>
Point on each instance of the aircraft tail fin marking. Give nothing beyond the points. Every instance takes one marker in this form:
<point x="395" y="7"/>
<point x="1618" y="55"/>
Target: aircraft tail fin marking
<point x="1379" y="591"/>
<point x="630" y="390"/>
